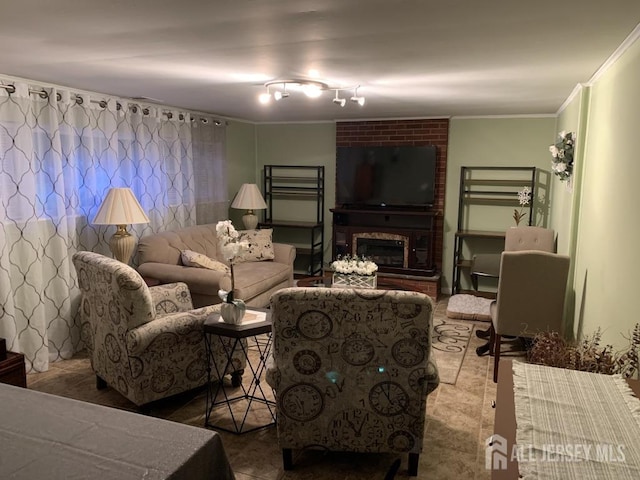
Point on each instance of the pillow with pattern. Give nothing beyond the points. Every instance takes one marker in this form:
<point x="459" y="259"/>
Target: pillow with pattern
<point x="195" y="259"/>
<point x="260" y="245"/>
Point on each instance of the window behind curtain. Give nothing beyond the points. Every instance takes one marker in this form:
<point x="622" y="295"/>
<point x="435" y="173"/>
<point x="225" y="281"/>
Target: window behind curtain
<point x="210" y="170"/>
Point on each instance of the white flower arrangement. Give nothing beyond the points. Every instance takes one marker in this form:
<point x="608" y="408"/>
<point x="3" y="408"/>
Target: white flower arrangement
<point x="562" y="153"/>
<point x="230" y="247"/>
<point x="524" y="197"/>
<point x="353" y="264"/>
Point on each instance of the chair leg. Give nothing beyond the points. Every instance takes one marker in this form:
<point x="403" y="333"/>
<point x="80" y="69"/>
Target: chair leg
<point x="496" y="357"/>
<point x="287" y="458"/>
<point x="492" y="339"/>
<point x="100" y="383"/>
<point x="236" y="378"/>
<point x="395" y="466"/>
<point x="413" y="464"/>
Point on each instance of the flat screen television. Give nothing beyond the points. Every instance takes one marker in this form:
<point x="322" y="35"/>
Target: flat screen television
<point x="382" y="177"/>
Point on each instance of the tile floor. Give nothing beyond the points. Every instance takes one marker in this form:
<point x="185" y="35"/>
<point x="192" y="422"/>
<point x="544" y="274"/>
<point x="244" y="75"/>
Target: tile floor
<point x="459" y="420"/>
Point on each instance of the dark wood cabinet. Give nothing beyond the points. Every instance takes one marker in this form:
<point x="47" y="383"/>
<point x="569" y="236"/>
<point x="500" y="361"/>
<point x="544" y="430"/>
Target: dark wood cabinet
<point x="398" y="241"/>
<point x="13" y="370"/>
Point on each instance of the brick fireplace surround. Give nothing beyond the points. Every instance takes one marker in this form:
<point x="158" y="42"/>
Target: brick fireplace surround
<point x="407" y="133"/>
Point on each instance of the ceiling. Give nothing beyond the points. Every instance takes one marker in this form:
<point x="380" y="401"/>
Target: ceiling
<point x="411" y="58"/>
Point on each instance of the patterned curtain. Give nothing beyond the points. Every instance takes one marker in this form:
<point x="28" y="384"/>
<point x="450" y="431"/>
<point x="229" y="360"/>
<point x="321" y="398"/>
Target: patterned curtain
<point x="60" y="152"/>
<point x="209" y="145"/>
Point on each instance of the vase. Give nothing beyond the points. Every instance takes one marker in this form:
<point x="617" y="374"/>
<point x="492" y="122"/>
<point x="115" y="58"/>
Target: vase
<point x="352" y="280"/>
<point x="233" y="312"/>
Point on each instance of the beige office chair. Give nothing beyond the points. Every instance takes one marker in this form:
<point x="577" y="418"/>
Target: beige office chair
<point x="488" y="265"/>
<point x="531" y="293"/>
<point x="529" y="238"/>
<point x="515" y="239"/>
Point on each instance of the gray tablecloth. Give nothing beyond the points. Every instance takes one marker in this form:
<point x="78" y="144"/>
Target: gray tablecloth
<point x="575" y="425"/>
<point x="45" y="436"/>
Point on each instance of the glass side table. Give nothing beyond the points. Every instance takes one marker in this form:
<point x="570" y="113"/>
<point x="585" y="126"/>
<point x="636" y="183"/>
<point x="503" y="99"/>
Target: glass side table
<point x="244" y="337"/>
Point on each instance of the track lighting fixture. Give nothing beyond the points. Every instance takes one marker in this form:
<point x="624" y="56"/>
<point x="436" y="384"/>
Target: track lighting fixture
<point x="279" y="95"/>
<point x="356" y="98"/>
<point x="311" y="88"/>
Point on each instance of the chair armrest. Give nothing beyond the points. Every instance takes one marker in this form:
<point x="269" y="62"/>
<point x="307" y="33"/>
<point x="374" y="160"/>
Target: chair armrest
<point x="171" y="298"/>
<point x="272" y="375"/>
<point x="432" y="378"/>
<point x="188" y="323"/>
<point x="284" y="253"/>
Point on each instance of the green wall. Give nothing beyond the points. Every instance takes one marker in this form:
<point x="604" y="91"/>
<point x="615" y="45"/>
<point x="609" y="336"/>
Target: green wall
<point x="241" y="162"/>
<point x="607" y="258"/>
<point x="301" y="144"/>
<point x="512" y="141"/>
<point x="564" y="194"/>
<point x="497" y="141"/>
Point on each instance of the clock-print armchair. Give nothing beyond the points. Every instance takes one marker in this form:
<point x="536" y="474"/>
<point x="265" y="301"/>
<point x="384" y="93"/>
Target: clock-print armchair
<point x="351" y="369"/>
<point x="145" y="342"/>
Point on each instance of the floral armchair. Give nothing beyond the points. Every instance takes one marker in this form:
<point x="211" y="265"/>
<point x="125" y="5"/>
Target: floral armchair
<point x="351" y="370"/>
<point x="146" y="343"/>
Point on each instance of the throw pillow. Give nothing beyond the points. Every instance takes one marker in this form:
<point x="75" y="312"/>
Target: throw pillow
<point x="195" y="259"/>
<point x="260" y="245"/>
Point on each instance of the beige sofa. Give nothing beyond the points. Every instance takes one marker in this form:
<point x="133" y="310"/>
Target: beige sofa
<point x="159" y="259"/>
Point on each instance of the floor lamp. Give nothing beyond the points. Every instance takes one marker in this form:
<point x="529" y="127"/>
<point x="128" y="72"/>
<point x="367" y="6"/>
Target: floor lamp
<point x="249" y="198"/>
<point x="121" y="208"/>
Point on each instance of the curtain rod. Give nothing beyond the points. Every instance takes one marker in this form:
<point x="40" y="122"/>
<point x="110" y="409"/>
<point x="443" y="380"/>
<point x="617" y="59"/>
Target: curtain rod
<point x="103" y="103"/>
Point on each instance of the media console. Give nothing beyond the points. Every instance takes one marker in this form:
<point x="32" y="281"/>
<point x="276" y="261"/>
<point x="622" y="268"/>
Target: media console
<point x="398" y="241"/>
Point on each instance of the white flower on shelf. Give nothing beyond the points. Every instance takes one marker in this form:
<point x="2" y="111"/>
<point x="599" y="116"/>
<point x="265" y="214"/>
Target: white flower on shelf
<point x="524" y="197"/>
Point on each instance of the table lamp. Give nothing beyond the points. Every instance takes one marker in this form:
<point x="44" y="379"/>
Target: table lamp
<point x="121" y="208"/>
<point x="249" y="198"/>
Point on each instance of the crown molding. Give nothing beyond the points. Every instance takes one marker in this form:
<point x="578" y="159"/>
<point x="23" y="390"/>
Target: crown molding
<point x="574" y="93"/>
<point x="516" y="115"/>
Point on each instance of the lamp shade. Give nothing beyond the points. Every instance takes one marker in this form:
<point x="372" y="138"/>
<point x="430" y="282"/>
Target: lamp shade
<point x="120" y="207"/>
<point x="249" y="198"/>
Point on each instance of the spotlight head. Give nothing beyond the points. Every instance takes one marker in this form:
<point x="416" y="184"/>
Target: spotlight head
<point x="340" y="101"/>
<point x="278" y="95"/>
<point x="356" y="98"/>
<point x="264" y="98"/>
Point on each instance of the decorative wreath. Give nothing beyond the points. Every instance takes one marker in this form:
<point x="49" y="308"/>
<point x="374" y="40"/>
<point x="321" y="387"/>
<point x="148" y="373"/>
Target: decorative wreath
<point x="562" y="153"/>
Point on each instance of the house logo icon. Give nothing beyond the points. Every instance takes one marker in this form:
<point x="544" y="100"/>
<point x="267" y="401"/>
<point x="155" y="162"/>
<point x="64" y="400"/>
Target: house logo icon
<point x="496" y="453"/>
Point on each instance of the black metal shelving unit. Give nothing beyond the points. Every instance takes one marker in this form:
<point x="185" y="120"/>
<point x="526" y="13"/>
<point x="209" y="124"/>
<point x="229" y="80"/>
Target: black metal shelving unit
<point x="297" y="183"/>
<point x="492" y="187"/>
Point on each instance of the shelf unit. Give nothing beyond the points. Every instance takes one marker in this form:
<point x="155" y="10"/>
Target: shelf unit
<point x="285" y="186"/>
<point x="492" y="187"/>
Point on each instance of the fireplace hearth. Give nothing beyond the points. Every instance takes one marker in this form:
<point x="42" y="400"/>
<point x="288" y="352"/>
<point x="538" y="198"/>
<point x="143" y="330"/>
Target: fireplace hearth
<point x="385" y="249"/>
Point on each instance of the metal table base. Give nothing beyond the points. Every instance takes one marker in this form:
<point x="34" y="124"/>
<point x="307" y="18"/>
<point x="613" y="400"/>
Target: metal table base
<point x="258" y="337"/>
